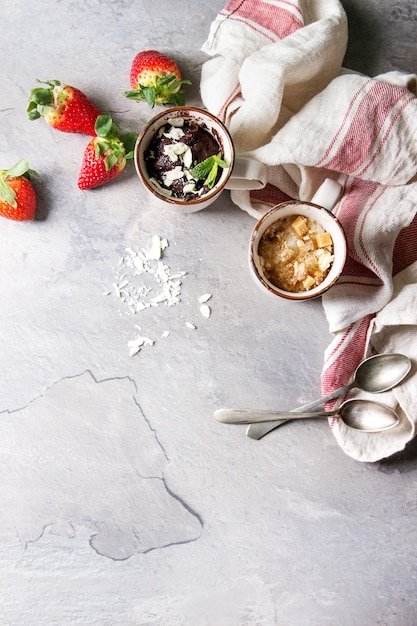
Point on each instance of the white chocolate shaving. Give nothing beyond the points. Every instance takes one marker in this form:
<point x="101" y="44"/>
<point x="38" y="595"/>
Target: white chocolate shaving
<point x="205" y="311"/>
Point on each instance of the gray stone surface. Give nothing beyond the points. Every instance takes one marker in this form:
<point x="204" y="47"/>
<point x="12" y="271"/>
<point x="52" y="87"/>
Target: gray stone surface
<point x="122" y="502"/>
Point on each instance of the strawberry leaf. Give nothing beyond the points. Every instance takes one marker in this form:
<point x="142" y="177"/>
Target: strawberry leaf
<point x="43" y="96"/>
<point x="178" y="99"/>
<point x="32" y="111"/>
<point x="110" y="161"/>
<point x="166" y="79"/>
<point x="100" y="148"/>
<point x="134" y="95"/>
<point x="164" y="90"/>
<point x="19" y="169"/>
<point x="105" y="127"/>
<point x="7" y="194"/>
<point x="41" y="99"/>
<point x="149" y="95"/>
<point x="129" y="142"/>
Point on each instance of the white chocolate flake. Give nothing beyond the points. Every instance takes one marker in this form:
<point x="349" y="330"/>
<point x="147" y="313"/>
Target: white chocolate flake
<point x="156" y="249"/>
<point x="171" y="175"/>
<point x="176" y="150"/>
<point x="175" y="132"/>
<point x="188" y="158"/>
<point x="135" y="345"/>
<point x="189" y="188"/>
<point x="205" y="311"/>
<point x="146" y="265"/>
<point x="176" y="121"/>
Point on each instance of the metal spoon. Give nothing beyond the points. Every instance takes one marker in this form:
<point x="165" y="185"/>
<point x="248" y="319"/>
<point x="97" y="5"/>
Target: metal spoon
<point x="376" y="374"/>
<point x="365" y="415"/>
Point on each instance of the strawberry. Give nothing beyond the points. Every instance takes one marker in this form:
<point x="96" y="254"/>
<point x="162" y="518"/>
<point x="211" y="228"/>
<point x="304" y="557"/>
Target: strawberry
<point x="17" y="195"/>
<point x="63" y="107"/>
<point x="105" y="156"/>
<point x="155" y="78"/>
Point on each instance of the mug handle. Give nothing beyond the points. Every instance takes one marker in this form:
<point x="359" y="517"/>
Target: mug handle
<point x="247" y="174"/>
<point x="327" y="194"/>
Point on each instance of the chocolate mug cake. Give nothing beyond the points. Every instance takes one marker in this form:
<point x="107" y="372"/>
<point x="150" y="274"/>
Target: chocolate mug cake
<point x="173" y="155"/>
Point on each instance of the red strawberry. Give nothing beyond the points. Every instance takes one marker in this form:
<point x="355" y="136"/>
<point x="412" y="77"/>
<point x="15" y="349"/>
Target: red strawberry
<point x="17" y="195"/>
<point x="155" y="78"/>
<point x="63" y="107"/>
<point x="105" y="156"/>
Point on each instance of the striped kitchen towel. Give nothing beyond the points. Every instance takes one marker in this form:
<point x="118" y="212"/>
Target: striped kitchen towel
<point x="275" y="78"/>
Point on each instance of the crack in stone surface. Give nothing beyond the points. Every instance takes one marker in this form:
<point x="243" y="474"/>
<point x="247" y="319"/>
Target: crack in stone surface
<point x="97" y="381"/>
<point x="77" y="455"/>
<point x="36" y="539"/>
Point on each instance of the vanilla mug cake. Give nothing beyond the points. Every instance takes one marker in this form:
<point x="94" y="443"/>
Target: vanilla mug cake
<point x="298" y="249"/>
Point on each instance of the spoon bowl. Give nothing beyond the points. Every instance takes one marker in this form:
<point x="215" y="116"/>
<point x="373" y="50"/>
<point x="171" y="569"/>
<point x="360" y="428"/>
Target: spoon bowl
<point x="364" y="415"/>
<point x="381" y="372"/>
<point x="375" y="374"/>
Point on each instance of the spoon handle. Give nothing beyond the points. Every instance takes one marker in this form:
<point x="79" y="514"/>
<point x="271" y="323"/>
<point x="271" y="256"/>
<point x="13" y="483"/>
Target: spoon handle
<point x="259" y="430"/>
<point x="242" y="416"/>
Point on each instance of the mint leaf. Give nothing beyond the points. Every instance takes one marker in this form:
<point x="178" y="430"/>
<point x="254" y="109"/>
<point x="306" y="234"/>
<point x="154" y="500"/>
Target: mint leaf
<point x="201" y="170"/>
<point x="208" y="169"/>
<point x="211" y="178"/>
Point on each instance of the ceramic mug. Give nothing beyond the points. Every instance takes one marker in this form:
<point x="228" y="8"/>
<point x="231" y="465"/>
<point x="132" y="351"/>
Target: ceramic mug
<point x="241" y="173"/>
<point x="318" y="211"/>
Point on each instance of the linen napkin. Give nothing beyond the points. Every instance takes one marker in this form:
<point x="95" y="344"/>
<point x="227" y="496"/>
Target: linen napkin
<point x="275" y="78"/>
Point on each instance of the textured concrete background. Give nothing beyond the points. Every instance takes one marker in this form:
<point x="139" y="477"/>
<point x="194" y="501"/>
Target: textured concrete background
<point x="381" y="36"/>
<point x="122" y="502"/>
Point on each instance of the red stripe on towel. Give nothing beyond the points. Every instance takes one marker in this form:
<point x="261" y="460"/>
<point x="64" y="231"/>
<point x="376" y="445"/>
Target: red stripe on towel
<point x="371" y="114"/>
<point x="275" y="19"/>
<point x="222" y="113"/>
<point x="346" y="356"/>
<point x="361" y="197"/>
<point x="405" y="250"/>
<point x="343" y="124"/>
<point x="269" y="195"/>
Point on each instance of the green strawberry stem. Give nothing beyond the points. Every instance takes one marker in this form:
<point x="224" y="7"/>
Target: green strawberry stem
<point x="208" y="169"/>
<point x="129" y="142"/>
<point x="42" y="99"/>
<point x="165" y="91"/>
<point x="105" y="126"/>
<point x="110" y="143"/>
